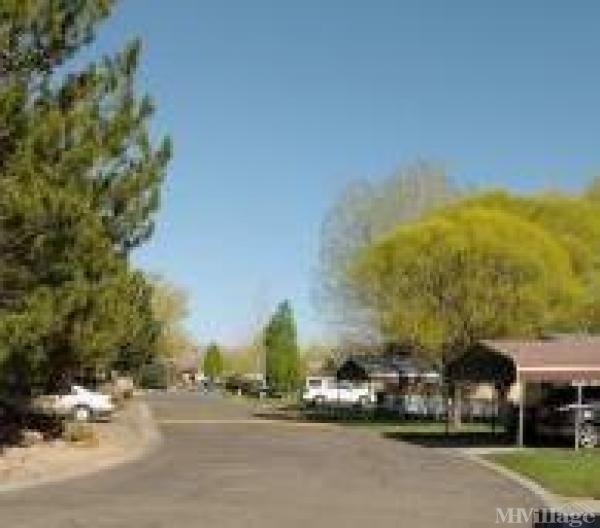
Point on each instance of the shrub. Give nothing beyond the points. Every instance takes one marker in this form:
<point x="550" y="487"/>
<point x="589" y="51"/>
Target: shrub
<point x="83" y="434"/>
<point x="154" y="376"/>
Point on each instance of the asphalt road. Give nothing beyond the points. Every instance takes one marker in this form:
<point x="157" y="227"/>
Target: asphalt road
<point x="220" y="467"/>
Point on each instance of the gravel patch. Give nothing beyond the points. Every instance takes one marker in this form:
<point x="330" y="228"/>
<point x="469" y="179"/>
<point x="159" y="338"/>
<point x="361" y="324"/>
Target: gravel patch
<point x="130" y="435"/>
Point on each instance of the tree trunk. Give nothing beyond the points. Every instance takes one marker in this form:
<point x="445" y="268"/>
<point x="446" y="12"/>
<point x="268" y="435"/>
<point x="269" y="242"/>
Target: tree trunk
<point x="502" y="405"/>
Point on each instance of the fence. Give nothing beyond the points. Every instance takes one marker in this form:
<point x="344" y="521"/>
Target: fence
<point x="408" y="406"/>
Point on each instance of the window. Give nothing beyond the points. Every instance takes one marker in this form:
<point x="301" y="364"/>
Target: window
<point x="314" y="383"/>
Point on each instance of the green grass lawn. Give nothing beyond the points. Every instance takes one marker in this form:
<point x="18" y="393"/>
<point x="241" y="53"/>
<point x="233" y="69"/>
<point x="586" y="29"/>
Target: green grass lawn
<point x="561" y="471"/>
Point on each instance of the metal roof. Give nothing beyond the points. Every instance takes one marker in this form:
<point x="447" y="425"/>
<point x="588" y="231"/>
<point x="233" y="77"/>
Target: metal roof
<point x="390" y="365"/>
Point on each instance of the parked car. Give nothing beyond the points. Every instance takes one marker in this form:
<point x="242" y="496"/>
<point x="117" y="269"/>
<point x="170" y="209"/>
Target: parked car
<point x="251" y="387"/>
<point x="123" y="387"/>
<point x="78" y="403"/>
<point x="559" y="423"/>
<point x="320" y="391"/>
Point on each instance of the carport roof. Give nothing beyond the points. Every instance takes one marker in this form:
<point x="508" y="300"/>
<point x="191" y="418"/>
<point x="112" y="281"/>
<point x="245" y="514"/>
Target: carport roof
<point x="554" y="359"/>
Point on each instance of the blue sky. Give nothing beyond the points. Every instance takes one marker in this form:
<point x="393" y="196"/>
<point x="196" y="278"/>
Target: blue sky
<point x="274" y="105"/>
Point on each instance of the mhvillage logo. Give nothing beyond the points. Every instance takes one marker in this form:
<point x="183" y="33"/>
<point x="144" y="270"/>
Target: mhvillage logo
<point x="547" y="518"/>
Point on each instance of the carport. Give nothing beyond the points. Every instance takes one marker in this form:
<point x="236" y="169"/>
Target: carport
<point x="568" y="359"/>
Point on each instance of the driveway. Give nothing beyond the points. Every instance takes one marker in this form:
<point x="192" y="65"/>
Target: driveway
<point x="220" y="467"/>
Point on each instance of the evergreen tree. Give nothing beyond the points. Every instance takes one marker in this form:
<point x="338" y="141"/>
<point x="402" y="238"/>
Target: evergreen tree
<point x="282" y="359"/>
<point x="79" y="185"/>
<point x="212" y="365"/>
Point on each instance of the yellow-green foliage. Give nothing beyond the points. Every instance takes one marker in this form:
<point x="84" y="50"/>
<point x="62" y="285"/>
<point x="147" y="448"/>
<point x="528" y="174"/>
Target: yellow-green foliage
<point x="572" y="219"/>
<point x="465" y="273"/>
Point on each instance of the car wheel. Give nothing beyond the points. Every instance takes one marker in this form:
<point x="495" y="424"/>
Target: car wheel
<point x="81" y="413"/>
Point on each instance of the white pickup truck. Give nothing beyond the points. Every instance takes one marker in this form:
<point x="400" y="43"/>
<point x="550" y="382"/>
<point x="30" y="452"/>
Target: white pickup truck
<point x="329" y="390"/>
<point x="78" y="403"/>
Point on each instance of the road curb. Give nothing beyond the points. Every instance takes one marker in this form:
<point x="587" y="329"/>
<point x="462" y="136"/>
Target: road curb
<point x="549" y="499"/>
<point x="150" y="439"/>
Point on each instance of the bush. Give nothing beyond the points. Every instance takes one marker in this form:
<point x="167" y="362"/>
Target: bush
<point x="83" y="434"/>
<point x="154" y="376"/>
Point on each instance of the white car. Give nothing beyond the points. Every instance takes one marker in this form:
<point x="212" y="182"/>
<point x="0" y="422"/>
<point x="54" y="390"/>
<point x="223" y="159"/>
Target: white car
<point x="79" y="403"/>
<point x="329" y="390"/>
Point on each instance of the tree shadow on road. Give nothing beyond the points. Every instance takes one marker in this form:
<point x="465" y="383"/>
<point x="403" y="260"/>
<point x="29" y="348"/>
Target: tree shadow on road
<point x="340" y="415"/>
<point x="453" y="439"/>
<point x="286" y="413"/>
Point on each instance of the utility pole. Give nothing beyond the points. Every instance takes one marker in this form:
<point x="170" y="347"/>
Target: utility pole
<point x="522" y="395"/>
<point x="578" y="414"/>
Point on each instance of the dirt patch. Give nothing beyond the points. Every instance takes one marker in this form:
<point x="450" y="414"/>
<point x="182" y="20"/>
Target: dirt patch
<point x="131" y="433"/>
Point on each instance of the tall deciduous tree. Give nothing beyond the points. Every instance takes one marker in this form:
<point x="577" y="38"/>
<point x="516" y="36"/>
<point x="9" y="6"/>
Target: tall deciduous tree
<point x="282" y="359"/>
<point x="170" y="308"/>
<point x="248" y="358"/>
<point x="363" y="212"/>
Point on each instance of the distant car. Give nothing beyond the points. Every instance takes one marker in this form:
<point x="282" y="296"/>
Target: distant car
<point x="78" y="403"/>
<point x="320" y="391"/>
<point x="262" y="390"/>
<point x="234" y="384"/>
<point x="256" y="389"/>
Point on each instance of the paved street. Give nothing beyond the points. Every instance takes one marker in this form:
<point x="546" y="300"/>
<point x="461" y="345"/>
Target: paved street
<point x="219" y="467"/>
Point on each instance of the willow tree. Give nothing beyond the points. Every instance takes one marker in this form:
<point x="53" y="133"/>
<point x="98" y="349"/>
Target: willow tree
<point x="573" y="220"/>
<point x="452" y="279"/>
<point x="79" y="186"/>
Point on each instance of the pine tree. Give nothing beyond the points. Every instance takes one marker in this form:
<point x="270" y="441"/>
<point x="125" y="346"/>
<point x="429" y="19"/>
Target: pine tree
<point x="79" y="186"/>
